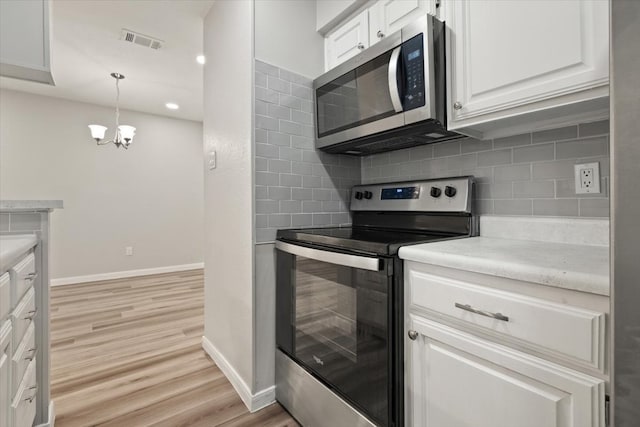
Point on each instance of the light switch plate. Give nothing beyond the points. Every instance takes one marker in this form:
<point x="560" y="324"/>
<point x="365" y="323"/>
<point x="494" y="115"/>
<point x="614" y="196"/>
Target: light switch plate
<point x="212" y="160"/>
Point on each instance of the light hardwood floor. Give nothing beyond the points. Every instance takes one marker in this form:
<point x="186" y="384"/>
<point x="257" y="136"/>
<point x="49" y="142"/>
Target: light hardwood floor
<point x="128" y="353"/>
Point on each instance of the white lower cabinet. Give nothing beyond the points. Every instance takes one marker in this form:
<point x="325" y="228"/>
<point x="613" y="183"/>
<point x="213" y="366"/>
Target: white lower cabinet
<point x="5" y="377"/>
<point x="456" y="379"/>
<point x="25" y="401"/>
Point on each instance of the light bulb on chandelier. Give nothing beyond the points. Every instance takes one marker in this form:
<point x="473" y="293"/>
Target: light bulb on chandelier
<point x="124" y="134"/>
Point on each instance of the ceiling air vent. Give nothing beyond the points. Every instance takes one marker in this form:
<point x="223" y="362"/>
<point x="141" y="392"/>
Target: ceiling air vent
<point x="140" y="39"/>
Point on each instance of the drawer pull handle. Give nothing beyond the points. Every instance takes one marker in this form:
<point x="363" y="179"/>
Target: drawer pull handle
<point x="413" y="335"/>
<point x="498" y="316"/>
<point x="31" y="314"/>
<point x="31" y="276"/>
<point x="34" y="352"/>
<point x="33" y="397"/>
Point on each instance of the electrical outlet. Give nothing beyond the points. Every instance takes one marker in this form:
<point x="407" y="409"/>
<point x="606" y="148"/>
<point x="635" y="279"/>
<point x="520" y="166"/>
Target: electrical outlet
<point x="587" y="177"/>
<point x="128" y="251"/>
<point x="212" y="160"/>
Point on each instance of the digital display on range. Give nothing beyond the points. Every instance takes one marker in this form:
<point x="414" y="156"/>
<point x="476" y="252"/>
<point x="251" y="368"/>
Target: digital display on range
<point x="400" y="193"/>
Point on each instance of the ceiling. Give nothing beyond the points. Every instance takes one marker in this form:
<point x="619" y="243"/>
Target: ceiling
<point x="86" y="47"/>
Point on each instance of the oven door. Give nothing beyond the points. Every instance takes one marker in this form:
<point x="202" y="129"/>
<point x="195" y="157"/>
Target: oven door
<point x="333" y="317"/>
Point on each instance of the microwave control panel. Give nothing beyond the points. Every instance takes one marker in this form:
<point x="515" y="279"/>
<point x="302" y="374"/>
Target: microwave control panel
<point x="413" y="60"/>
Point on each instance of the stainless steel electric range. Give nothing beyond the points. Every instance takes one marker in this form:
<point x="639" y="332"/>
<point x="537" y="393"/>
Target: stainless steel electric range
<point x="339" y="301"/>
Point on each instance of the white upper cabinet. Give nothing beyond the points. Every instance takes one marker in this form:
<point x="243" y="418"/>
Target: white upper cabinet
<point x="388" y="16"/>
<point x="347" y="41"/>
<point x="24" y="40"/>
<point x="509" y="58"/>
<point x="382" y="18"/>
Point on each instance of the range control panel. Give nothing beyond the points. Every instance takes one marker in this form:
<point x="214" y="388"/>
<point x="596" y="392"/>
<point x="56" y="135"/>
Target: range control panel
<point x="434" y="195"/>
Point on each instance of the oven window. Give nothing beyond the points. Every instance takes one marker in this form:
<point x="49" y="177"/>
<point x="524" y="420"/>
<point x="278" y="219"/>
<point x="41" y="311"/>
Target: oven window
<point x="326" y="307"/>
<point x="357" y="97"/>
<point x="340" y="327"/>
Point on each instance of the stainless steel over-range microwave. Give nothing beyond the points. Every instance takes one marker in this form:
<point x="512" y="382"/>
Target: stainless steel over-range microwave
<point x="390" y="96"/>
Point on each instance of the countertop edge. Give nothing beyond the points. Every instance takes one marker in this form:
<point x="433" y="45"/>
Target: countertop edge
<point x="30" y="205"/>
<point x="546" y="276"/>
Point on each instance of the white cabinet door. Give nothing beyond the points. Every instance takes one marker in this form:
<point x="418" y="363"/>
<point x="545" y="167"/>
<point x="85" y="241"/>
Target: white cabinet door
<point x="511" y="57"/>
<point x="347" y="41"/>
<point x="24" y="40"/>
<point x="388" y="16"/>
<point x="457" y="380"/>
<point x="5" y="379"/>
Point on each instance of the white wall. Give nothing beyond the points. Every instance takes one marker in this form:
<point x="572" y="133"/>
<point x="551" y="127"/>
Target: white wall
<point x="228" y="114"/>
<point x="286" y="36"/>
<point x="329" y="12"/>
<point x="149" y="197"/>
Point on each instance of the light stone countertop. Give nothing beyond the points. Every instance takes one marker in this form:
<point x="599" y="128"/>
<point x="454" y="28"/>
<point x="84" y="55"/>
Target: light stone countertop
<point x="29" y="205"/>
<point x="13" y="246"/>
<point x="576" y="266"/>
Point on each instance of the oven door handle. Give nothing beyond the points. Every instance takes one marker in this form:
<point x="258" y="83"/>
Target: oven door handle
<point x="355" y="261"/>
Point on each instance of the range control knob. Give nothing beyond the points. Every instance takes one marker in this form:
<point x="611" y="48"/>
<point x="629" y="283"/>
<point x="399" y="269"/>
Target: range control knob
<point x="450" y="191"/>
<point x="435" y="192"/>
<point x="368" y="195"/>
<point x="359" y="195"/>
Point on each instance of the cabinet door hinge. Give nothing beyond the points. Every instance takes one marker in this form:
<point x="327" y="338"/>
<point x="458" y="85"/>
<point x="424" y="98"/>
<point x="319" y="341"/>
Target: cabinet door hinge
<point x="607" y="411"/>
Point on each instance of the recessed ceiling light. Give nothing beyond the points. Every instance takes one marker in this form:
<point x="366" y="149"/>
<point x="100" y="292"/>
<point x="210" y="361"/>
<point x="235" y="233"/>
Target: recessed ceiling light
<point x="200" y="59"/>
<point x="172" y="106"/>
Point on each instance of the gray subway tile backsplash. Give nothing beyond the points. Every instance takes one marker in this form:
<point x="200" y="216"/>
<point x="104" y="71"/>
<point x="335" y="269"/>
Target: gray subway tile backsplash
<point x="534" y="153"/>
<point x="589" y="147"/>
<point x="296" y="186"/>
<point x="5" y="221"/>
<point x="528" y="174"/>
<point x="593" y="128"/>
<point x="557" y="134"/>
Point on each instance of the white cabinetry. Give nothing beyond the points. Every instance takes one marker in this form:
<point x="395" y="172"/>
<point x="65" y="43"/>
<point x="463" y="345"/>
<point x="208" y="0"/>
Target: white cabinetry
<point x="382" y="18"/>
<point x="492" y="352"/>
<point x="5" y="374"/>
<point x="347" y="41"/>
<point x="509" y="59"/>
<point x="24" y="40"/>
<point x="388" y="16"/>
<point x="459" y="380"/>
<point x="18" y="347"/>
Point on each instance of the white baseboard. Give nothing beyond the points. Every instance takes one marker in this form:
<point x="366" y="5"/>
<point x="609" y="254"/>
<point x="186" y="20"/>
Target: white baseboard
<point x="124" y="274"/>
<point x="52" y="416"/>
<point x="253" y="402"/>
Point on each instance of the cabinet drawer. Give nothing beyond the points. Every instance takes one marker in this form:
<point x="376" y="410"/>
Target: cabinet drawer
<point x="23" y="276"/>
<point x="577" y="333"/>
<point x="23" y="355"/>
<point x="5" y="296"/>
<point x="5" y="379"/>
<point x="24" y="402"/>
<point x="23" y="315"/>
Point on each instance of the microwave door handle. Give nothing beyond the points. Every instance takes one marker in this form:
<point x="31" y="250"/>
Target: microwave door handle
<point x="355" y="261"/>
<point x="394" y="89"/>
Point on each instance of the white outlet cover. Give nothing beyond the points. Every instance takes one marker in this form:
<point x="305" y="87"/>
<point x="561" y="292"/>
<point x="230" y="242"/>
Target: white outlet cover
<point x="212" y="160"/>
<point x="594" y="188"/>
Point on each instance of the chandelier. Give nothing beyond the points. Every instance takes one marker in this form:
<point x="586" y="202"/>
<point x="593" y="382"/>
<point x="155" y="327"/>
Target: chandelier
<point x="124" y="134"/>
